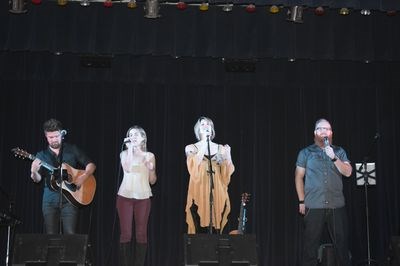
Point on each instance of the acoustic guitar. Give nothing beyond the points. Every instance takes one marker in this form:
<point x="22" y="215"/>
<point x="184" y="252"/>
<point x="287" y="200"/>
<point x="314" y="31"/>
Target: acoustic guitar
<point x="79" y="196"/>
<point x="242" y="216"/>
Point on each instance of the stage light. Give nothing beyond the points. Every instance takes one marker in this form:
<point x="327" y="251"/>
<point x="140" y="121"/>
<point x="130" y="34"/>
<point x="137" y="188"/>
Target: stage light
<point x="365" y="12"/>
<point x="250" y="8"/>
<point x="203" y="6"/>
<point x="36" y="2"/>
<point x="344" y="11"/>
<point x="181" y="5"/>
<point x="295" y="14"/>
<point x="391" y="13"/>
<point x="107" y="3"/>
<point x="319" y="11"/>
<point x="132" y="4"/>
<point x="18" y="7"/>
<point x="62" y="2"/>
<point x="151" y="9"/>
<point x="227" y="7"/>
<point x="85" y="3"/>
<point x="273" y="9"/>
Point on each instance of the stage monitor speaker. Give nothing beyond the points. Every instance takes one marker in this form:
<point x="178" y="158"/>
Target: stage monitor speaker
<point x="220" y="250"/>
<point x="395" y="251"/>
<point x="49" y="250"/>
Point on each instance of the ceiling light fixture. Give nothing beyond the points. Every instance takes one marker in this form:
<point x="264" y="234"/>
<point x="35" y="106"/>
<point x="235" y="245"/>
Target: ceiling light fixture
<point x="295" y="14"/>
<point x="18" y="7"/>
<point x="151" y="9"/>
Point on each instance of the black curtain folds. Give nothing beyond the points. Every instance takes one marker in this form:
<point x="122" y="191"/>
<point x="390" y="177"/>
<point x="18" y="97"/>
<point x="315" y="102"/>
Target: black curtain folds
<point x="236" y="34"/>
<point x="113" y="69"/>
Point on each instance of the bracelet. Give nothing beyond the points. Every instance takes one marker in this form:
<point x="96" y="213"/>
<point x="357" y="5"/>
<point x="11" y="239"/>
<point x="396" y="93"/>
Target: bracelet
<point x="334" y="159"/>
<point x="301" y="201"/>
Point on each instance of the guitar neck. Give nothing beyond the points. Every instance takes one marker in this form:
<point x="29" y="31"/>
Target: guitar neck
<point x="42" y="163"/>
<point x="242" y="219"/>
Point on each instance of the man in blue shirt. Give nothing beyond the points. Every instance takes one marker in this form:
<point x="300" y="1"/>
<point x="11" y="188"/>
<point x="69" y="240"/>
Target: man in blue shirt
<point x="318" y="178"/>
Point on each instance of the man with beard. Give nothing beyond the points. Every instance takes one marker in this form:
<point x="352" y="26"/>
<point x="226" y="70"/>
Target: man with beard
<point x="318" y="179"/>
<point x="56" y="153"/>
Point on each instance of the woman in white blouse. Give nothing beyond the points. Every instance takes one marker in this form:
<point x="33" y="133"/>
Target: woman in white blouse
<point x="133" y="199"/>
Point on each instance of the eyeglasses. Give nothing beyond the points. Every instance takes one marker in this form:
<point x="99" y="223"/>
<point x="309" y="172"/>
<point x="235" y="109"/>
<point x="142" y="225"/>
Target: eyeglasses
<point x="323" y="128"/>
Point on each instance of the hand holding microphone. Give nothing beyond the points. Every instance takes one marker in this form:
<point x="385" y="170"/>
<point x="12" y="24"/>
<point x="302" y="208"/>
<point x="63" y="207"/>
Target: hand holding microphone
<point x="326" y="142"/>
<point x="328" y="149"/>
<point x="128" y="143"/>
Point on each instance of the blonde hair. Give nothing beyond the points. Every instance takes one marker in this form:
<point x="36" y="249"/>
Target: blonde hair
<point x="197" y="127"/>
<point x="142" y="133"/>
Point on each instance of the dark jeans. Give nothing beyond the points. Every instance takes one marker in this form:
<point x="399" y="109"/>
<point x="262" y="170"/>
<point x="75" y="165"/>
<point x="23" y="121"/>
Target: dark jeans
<point x="129" y="209"/>
<point x="336" y="222"/>
<point x="52" y="214"/>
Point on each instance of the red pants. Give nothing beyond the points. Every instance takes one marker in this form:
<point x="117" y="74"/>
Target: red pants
<point x="129" y="209"/>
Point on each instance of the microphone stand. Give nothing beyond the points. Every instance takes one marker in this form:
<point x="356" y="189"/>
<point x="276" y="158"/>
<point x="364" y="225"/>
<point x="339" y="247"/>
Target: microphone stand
<point x="211" y="175"/>
<point x="61" y="180"/>
<point x="12" y="221"/>
<point x="365" y="174"/>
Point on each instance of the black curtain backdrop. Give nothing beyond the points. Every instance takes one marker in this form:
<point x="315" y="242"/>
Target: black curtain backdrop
<point x="215" y="33"/>
<point x="166" y="83"/>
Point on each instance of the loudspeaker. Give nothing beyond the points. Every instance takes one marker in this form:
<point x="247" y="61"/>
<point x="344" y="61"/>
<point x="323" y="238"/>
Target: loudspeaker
<point x="50" y="250"/>
<point x="221" y="250"/>
<point x="394" y="251"/>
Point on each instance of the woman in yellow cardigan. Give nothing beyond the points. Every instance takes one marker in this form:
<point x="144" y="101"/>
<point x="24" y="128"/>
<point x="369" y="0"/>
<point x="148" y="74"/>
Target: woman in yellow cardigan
<point x="198" y="156"/>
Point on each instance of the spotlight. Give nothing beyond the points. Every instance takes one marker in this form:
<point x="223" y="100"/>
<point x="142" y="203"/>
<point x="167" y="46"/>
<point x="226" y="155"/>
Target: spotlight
<point x="107" y="3"/>
<point x="251" y="8"/>
<point x="132" y="4"/>
<point x="274" y="9"/>
<point x="17" y="7"/>
<point x="365" y="12"/>
<point x="295" y="14"/>
<point x="391" y="13"/>
<point x="344" y="11"/>
<point x="62" y="2"/>
<point x="181" y="5"/>
<point x="85" y="3"/>
<point x="151" y="9"/>
<point x="203" y="6"/>
<point x="227" y="7"/>
<point x="319" y="11"/>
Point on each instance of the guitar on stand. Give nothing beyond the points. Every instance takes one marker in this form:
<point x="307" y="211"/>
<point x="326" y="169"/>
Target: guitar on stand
<point x="79" y="196"/>
<point x="242" y="216"/>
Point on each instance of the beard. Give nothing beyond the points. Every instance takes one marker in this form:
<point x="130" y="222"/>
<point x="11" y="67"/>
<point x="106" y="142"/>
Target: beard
<point x="55" y="145"/>
<point x="320" y="140"/>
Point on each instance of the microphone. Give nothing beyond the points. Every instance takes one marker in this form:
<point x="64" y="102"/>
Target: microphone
<point x="63" y="132"/>
<point x="126" y="140"/>
<point x="326" y="142"/>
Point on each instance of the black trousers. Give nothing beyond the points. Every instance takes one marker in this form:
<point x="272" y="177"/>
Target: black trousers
<point x="336" y="222"/>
